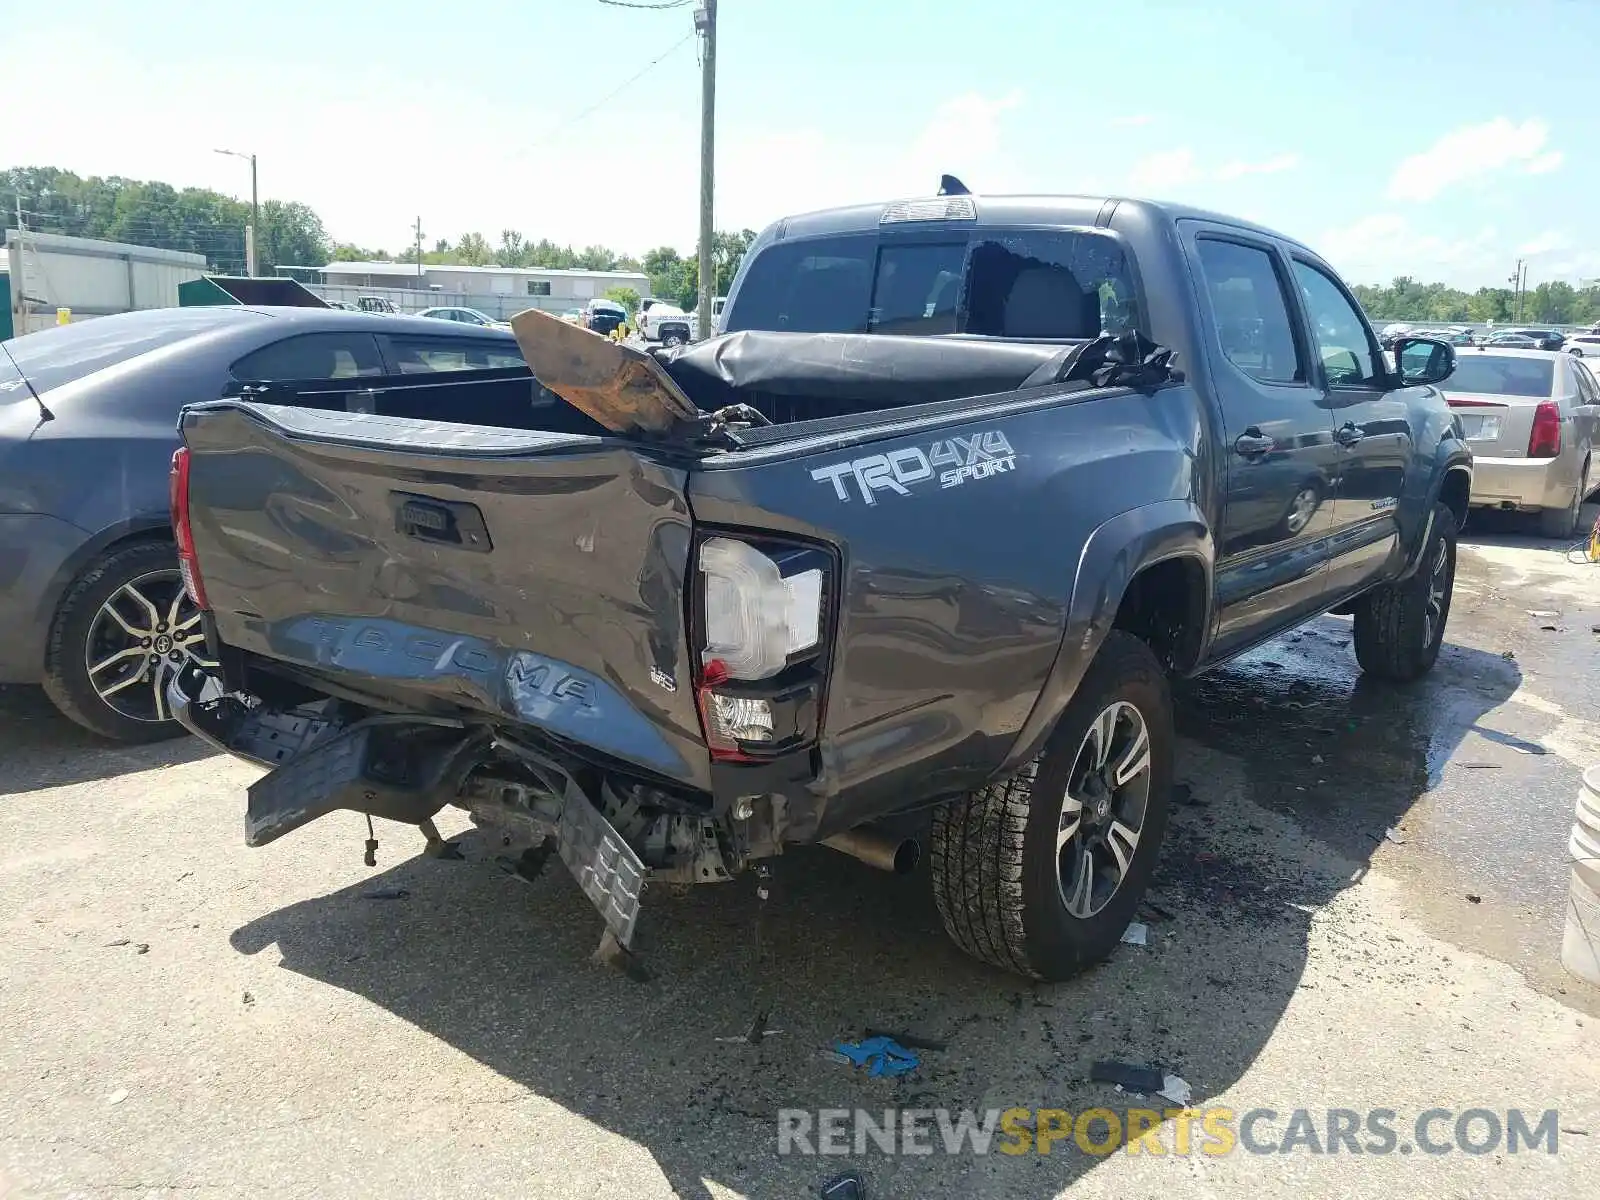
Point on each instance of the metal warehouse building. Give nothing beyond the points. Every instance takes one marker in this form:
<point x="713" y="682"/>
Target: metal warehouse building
<point x="498" y="291"/>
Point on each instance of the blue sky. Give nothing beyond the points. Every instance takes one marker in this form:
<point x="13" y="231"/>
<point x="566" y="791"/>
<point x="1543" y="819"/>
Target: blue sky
<point x="1436" y="138"/>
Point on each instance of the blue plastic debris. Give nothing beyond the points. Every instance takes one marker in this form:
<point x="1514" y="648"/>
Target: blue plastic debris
<point x="880" y="1055"/>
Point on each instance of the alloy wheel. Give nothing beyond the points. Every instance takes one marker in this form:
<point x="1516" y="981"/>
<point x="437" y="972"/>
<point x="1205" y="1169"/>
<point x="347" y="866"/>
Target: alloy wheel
<point x="147" y="632"/>
<point x="1103" y="810"/>
<point x="1301" y="508"/>
<point x="1439" y="577"/>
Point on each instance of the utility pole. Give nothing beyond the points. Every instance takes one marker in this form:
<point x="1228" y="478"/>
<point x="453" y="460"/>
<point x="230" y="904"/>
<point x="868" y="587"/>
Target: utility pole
<point x="419" y="252"/>
<point x="705" y="23"/>
<point x="255" y="222"/>
<point x="254" y="228"/>
<point x="1516" y="292"/>
<point x="21" y="283"/>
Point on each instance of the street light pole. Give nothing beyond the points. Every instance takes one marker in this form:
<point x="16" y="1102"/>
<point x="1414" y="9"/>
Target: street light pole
<point x="254" y="228"/>
<point x="705" y="22"/>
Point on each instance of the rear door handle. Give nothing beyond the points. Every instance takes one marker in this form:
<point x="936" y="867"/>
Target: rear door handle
<point x="1250" y="444"/>
<point x="1349" y="434"/>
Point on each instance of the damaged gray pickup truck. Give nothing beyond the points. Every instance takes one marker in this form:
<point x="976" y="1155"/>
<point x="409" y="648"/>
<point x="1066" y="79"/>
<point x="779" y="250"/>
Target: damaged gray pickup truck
<point x="906" y="557"/>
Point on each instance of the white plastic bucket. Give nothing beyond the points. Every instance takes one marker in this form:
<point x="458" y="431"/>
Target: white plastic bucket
<point x="1580" y="946"/>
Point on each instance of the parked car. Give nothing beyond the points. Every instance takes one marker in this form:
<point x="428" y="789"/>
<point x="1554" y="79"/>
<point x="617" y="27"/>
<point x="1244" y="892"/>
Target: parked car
<point x="1530" y="417"/>
<point x="91" y="605"/>
<point x="1583" y="345"/>
<point x="603" y="316"/>
<point x="1513" y="341"/>
<point x="465" y="316"/>
<point x="938" y="574"/>
<point x="377" y="304"/>
<point x="1545" y="339"/>
<point x="1391" y="334"/>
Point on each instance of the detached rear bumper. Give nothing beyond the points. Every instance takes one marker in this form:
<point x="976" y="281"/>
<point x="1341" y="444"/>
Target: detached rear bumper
<point x="1526" y="484"/>
<point x="402" y="769"/>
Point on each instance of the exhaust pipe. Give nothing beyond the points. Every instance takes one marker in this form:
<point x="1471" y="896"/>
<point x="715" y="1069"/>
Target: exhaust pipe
<point x="898" y="856"/>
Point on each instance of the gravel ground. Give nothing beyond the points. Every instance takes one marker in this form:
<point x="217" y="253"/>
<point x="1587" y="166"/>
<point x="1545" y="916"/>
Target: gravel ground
<point x="184" y="1015"/>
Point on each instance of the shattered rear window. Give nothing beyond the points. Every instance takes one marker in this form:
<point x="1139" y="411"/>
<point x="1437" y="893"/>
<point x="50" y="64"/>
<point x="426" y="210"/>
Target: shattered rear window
<point x="1043" y="285"/>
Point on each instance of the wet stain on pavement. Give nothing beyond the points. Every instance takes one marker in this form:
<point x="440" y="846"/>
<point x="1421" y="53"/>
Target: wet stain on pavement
<point x="1450" y="785"/>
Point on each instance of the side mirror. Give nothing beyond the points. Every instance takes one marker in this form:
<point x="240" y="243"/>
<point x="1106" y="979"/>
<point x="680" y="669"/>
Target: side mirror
<point x="1423" y="360"/>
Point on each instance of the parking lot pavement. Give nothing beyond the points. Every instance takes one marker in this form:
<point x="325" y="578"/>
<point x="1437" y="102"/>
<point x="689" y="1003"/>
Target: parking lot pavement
<point x="183" y="1015"/>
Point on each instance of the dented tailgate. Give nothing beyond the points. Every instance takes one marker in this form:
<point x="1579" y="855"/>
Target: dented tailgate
<point x="532" y="576"/>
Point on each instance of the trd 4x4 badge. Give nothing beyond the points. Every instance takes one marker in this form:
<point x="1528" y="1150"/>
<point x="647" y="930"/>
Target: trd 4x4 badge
<point x="955" y="462"/>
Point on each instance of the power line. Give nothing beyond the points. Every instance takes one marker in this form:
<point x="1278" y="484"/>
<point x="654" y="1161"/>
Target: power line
<point x="648" y="7"/>
<point x="615" y="92"/>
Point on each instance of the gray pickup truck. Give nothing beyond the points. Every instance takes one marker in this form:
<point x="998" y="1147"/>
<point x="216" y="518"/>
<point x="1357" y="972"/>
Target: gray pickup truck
<point x="905" y="557"/>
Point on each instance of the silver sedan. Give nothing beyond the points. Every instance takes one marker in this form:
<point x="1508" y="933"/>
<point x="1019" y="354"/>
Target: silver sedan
<point x="1530" y="417"/>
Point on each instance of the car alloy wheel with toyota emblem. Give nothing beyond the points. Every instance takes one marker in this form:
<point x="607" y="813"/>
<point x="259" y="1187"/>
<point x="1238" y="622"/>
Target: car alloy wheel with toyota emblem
<point x="125" y="630"/>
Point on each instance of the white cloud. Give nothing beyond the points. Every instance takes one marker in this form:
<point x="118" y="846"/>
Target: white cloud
<point x="1546" y="243"/>
<point x="962" y="134"/>
<point x="1238" y="169"/>
<point x="1177" y="168"/>
<point x="1131" y="122"/>
<point x="546" y="175"/>
<point x="1169" y="169"/>
<point x="1472" y="153"/>
<point x="1379" y="247"/>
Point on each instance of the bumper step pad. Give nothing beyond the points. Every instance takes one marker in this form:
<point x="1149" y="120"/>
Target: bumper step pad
<point x="605" y="866"/>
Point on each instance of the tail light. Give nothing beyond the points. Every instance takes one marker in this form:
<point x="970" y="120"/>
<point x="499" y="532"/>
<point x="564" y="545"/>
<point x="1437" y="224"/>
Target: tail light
<point x="188" y="564"/>
<point x="1545" y="440"/>
<point x="761" y="621"/>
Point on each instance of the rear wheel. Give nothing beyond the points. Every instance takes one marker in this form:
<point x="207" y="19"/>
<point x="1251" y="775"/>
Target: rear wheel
<point x="1399" y="627"/>
<point x="125" y="628"/>
<point x="1563" y="522"/>
<point x="672" y="337"/>
<point x="1041" y="874"/>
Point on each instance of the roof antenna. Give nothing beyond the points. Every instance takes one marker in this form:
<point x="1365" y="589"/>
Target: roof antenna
<point x="949" y="185"/>
<point x="44" y="410"/>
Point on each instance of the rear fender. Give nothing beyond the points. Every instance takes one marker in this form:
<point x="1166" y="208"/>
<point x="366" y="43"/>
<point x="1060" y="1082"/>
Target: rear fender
<point x="143" y="527"/>
<point x="1113" y="555"/>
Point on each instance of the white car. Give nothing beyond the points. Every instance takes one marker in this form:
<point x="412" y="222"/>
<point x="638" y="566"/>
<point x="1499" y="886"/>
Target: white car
<point x="465" y="316"/>
<point x="1584" y="345"/>
<point x="1530" y="417"/>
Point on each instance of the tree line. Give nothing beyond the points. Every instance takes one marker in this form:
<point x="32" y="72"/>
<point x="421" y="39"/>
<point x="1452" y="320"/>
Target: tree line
<point x="201" y="221"/>
<point x="197" y="220"/>
<point x="1547" y="304"/>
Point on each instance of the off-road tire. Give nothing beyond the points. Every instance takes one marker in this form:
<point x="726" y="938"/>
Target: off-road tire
<point x="993" y="852"/>
<point x="1391" y="636"/>
<point x="66" y="676"/>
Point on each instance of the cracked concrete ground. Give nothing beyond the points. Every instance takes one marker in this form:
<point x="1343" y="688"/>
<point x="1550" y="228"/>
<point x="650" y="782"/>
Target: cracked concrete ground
<point x="180" y="1014"/>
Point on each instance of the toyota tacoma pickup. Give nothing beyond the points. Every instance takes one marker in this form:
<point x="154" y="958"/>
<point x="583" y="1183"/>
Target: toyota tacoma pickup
<point x="905" y="558"/>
